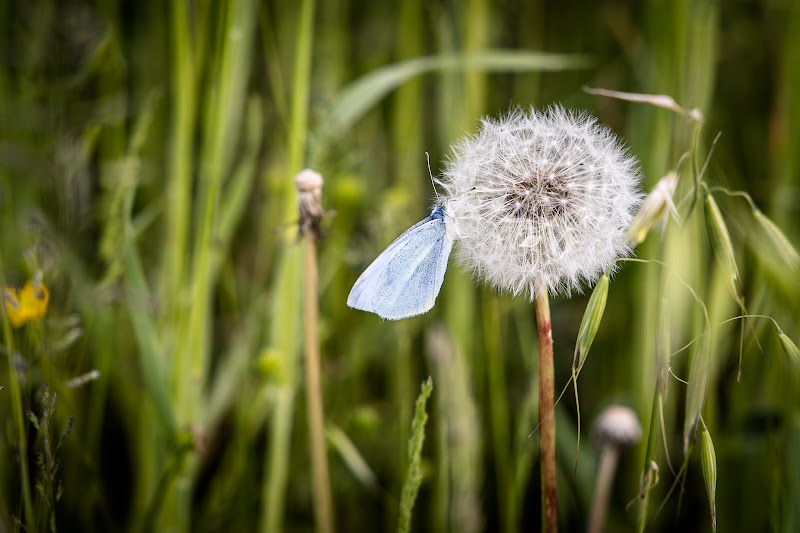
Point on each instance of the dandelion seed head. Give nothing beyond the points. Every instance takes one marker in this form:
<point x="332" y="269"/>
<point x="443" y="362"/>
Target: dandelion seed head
<point x="540" y="200"/>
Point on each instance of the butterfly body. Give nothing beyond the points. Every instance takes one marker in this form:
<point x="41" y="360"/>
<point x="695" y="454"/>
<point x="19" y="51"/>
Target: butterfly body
<point x="405" y="279"/>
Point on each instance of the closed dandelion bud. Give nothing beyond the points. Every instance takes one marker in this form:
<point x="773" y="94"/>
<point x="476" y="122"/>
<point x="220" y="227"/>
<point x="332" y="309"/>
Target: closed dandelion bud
<point x="309" y="201"/>
<point x="708" y="462"/>
<point x="540" y="201"/>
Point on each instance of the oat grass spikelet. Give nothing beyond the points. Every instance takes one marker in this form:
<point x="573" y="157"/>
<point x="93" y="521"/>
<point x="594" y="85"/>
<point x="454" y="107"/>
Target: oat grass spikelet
<point x="540" y="201"/>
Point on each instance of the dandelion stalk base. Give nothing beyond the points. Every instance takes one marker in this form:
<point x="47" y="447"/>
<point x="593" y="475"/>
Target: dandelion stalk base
<point x="547" y="427"/>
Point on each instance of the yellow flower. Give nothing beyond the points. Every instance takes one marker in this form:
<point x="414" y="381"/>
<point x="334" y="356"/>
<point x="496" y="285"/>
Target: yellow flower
<point x="26" y="304"/>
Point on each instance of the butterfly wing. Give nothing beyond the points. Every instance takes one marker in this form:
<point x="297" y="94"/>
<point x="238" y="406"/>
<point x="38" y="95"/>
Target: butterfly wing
<point x="405" y="279"/>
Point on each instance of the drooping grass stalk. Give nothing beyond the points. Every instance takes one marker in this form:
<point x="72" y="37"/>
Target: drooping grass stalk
<point x="547" y="419"/>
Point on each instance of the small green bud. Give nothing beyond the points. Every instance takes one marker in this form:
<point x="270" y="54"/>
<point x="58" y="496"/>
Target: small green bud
<point x="723" y="247"/>
<point x="708" y="461"/>
<point x="591" y="321"/>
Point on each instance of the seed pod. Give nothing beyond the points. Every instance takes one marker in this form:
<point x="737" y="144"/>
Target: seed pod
<point x="540" y="200"/>
<point x="708" y="461"/>
<point x="657" y="206"/>
<point x="723" y="247"/>
<point x="791" y="349"/>
<point x="662" y="347"/>
<point x="780" y="244"/>
<point x="699" y="371"/>
<point x="591" y="321"/>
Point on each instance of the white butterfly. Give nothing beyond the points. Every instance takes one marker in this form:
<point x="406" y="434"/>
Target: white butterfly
<point x="405" y="279"/>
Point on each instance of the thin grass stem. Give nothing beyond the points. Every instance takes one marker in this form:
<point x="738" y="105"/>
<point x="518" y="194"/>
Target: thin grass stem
<point x="282" y="336"/>
<point x="17" y="413"/>
<point x="650" y="450"/>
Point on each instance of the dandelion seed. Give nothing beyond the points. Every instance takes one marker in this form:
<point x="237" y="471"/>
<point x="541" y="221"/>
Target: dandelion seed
<point x="540" y="201"/>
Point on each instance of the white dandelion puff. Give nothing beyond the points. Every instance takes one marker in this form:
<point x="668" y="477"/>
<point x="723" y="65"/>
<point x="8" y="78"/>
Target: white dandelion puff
<point x="540" y="201"/>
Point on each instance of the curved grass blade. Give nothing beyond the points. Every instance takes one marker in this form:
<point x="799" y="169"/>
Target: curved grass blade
<point x="358" y="97"/>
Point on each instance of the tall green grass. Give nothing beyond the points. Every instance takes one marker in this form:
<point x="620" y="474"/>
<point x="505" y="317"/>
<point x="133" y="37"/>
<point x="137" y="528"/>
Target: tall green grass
<point x="147" y="158"/>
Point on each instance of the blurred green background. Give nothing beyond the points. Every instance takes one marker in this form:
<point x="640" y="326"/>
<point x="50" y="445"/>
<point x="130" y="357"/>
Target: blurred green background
<point x="147" y="157"/>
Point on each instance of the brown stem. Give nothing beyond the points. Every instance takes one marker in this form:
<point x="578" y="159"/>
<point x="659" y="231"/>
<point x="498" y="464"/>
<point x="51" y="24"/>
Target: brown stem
<point x="547" y="428"/>
<point x="602" y="488"/>
<point x="323" y="509"/>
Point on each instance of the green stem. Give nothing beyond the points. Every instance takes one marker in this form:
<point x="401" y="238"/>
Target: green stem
<point x="498" y="407"/>
<point x="19" y="417"/>
<point x="284" y="317"/>
<point x="547" y="427"/>
<point x="644" y="485"/>
<point x="179" y="187"/>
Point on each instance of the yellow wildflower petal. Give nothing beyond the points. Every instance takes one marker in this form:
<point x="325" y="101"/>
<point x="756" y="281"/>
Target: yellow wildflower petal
<point x="29" y="303"/>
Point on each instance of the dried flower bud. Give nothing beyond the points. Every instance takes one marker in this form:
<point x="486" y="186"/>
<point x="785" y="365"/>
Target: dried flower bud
<point x="540" y="201"/>
<point x="617" y="425"/>
<point x="309" y="201"/>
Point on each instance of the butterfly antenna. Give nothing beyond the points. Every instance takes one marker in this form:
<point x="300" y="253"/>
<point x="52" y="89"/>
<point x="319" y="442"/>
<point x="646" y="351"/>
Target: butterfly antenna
<point x="433" y="181"/>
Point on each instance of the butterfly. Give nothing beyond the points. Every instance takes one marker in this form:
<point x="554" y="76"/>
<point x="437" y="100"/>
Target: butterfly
<point x="405" y="279"/>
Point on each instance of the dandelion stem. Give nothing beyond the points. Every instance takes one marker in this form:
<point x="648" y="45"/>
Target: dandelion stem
<point x="547" y="428"/>
<point x="323" y="510"/>
<point x="602" y="488"/>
